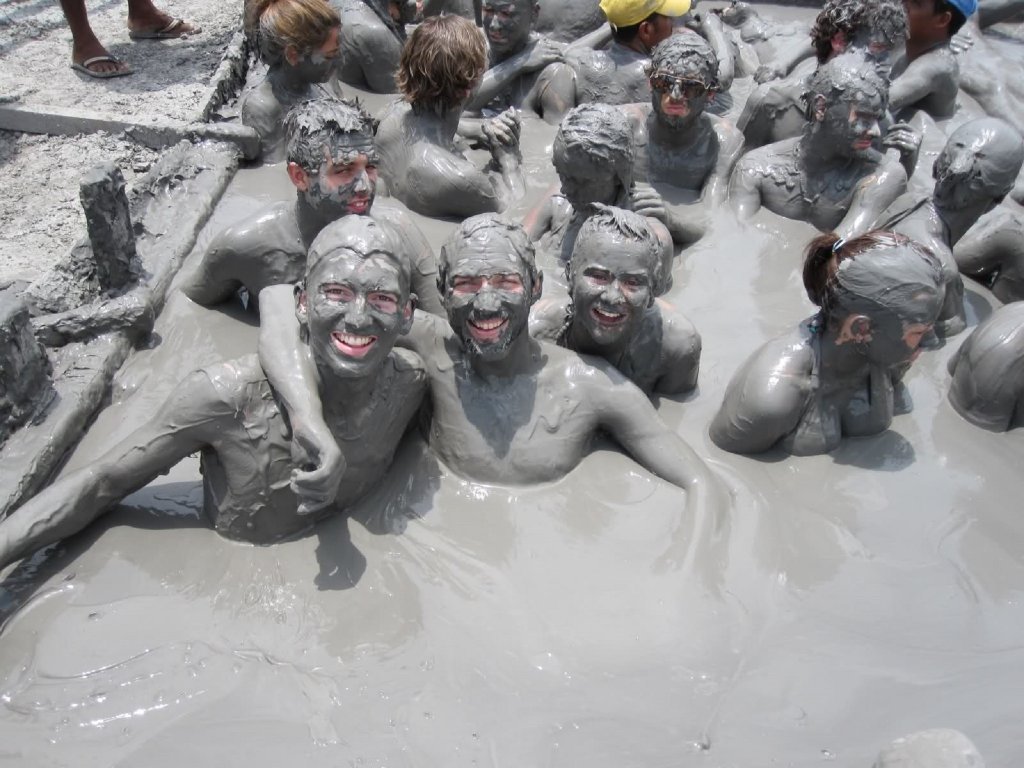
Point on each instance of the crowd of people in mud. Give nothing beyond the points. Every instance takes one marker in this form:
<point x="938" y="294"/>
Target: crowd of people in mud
<point x="523" y="339"/>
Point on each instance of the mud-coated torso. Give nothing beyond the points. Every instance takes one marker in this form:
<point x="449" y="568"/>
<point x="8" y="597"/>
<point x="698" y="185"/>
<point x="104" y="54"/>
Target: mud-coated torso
<point x="613" y="76"/>
<point x="686" y="166"/>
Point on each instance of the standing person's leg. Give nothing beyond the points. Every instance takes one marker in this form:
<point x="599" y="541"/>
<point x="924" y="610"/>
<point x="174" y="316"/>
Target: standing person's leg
<point x="146" y="21"/>
<point x="87" y="53"/>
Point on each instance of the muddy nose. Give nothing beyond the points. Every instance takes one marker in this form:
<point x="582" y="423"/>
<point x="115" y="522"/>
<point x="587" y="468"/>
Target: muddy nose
<point x="487" y="301"/>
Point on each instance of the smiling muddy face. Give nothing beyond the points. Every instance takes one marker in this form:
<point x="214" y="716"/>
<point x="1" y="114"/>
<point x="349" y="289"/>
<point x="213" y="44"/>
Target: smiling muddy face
<point x="488" y="282"/>
<point x="347" y="179"/>
<point x="613" y="275"/>
<point x="507" y="24"/>
<point x="683" y="75"/>
<point x="356" y="302"/>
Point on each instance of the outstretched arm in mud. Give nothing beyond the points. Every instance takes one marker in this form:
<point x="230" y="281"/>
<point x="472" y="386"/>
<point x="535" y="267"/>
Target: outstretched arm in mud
<point x="628" y="416"/>
<point x="184" y="424"/>
<point x="500" y="76"/>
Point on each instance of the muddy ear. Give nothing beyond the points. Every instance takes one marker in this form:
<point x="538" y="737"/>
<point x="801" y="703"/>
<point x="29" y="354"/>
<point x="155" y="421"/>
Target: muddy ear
<point x="818" y="108"/>
<point x="298" y="176"/>
<point x="301" y="313"/>
<point x="537" y="288"/>
<point x="839" y="42"/>
<point x="408" y="312"/>
<point x="292" y="55"/>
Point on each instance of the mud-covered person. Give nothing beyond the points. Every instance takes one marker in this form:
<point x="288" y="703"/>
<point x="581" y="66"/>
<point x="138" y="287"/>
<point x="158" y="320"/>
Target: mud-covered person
<point x="441" y="65"/>
<point x="516" y="56"/>
<point x="831" y="176"/>
<point x="612" y="311"/>
<point x="618" y="74"/>
<point x="594" y="157"/>
<point x="874" y="30"/>
<point x="677" y="141"/>
<point x="354" y="304"/>
<point x="333" y="165"/>
<point x="879" y="295"/>
<point x="372" y="36"/>
<point x="298" y="41"/>
<point x="974" y="172"/>
<point x="927" y="75"/>
<point x="507" y="408"/>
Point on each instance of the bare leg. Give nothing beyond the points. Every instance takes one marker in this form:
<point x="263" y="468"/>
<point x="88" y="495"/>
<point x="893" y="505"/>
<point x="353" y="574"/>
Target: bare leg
<point x="85" y="45"/>
<point x="143" y="16"/>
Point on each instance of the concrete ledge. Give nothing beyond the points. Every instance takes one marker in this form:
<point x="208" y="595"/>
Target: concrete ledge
<point x="229" y="78"/>
<point x="156" y="133"/>
<point x="170" y="204"/>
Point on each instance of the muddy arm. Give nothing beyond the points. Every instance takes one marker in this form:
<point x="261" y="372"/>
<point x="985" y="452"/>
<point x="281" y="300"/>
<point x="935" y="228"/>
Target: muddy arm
<point x="716" y="186"/>
<point x="181" y="427"/>
<point x="498" y="77"/>
<point x="538" y="220"/>
<point x="872" y="197"/>
<point x="292" y="373"/>
<point x="915" y="83"/>
<point x="210" y="282"/>
<point x="745" y="191"/>
<point x="714" y="32"/>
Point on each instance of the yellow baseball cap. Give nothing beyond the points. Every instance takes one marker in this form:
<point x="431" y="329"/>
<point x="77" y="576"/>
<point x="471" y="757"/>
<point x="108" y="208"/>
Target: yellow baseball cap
<point x="626" y="13"/>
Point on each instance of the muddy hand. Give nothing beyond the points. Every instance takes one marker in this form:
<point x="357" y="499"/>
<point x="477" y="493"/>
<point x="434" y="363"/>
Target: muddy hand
<point x="902" y="136"/>
<point x="767" y="72"/>
<point x="319" y="467"/>
<point x="503" y="130"/>
<point x="543" y="53"/>
<point x="646" y="201"/>
<point x="961" y="42"/>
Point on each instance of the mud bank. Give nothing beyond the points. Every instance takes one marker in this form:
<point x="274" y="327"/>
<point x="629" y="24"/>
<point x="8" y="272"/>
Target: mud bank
<point x="851" y="598"/>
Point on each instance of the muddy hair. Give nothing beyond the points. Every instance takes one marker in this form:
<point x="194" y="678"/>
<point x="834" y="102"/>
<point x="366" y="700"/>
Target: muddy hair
<point x="600" y="132"/>
<point x="365" y="237"/>
<point x="481" y="227"/>
<point x="851" y="17"/>
<point x="442" y="61"/>
<point x="618" y="221"/>
<point x="273" y="25"/>
<point x="686" y="54"/>
<point x="842" y="79"/>
<point x="314" y="124"/>
<point x="825" y="254"/>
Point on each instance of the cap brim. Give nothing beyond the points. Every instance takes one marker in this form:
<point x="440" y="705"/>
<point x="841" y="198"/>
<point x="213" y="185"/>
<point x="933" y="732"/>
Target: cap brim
<point x="673" y="7"/>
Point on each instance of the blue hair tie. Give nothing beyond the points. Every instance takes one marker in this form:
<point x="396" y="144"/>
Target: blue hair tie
<point x="838" y="245"/>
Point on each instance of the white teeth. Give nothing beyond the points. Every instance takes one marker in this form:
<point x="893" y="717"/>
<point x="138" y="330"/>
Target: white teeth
<point x="355" y="341"/>
<point x="488" y="325"/>
<point x="609" y="315"/>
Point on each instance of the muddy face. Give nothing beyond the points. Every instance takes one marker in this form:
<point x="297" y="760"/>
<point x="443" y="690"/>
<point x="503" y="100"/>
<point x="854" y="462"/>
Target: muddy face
<point x="355" y="310"/>
<point x="507" y="25"/>
<point x="318" y="66"/>
<point x="678" y="98"/>
<point x="853" y="126"/>
<point x="487" y="298"/>
<point x="876" y="49"/>
<point x="584" y="180"/>
<point x="612" y="286"/>
<point x="347" y="180"/>
<point x="980" y="162"/>
<point x="896" y="336"/>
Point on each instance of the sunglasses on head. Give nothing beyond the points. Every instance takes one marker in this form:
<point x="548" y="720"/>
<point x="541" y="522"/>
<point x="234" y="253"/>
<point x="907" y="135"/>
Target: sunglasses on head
<point x="691" y="89"/>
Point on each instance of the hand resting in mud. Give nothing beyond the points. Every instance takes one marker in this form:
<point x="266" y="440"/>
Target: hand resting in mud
<point x="507" y="408"/>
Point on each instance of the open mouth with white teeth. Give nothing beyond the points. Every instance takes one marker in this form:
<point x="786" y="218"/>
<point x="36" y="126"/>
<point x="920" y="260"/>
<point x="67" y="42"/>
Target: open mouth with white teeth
<point x="487" y="329"/>
<point x="608" y="318"/>
<point x="352" y="344"/>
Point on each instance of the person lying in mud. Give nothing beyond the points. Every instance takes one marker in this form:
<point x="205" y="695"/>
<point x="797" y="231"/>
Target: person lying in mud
<point x="927" y="76"/>
<point x="831" y="176"/>
<point x="988" y="372"/>
<point x="594" y="157"/>
<point x="354" y="304"/>
<point x="333" y="165"/>
<point x="298" y="41"/>
<point x="516" y="56"/>
<point x="617" y="75"/>
<point x="441" y="64"/>
<point x="612" y="312"/>
<point x="677" y="141"/>
<point x="873" y="30"/>
<point x="973" y="173"/>
<point x="507" y="408"/>
<point x="775" y="47"/>
<point x="372" y="36"/>
<point x="879" y="295"/>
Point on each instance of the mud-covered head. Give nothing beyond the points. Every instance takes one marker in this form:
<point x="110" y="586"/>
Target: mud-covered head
<point x="508" y="23"/>
<point x="736" y="13"/>
<point x="441" y="63"/>
<point x="593" y="154"/>
<point x="614" y="274"/>
<point x="301" y="34"/>
<point x="845" y="101"/>
<point x="881" y="291"/>
<point x="355" y="300"/>
<point x="934" y="21"/>
<point x="488" y="280"/>
<point x="876" y="28"/>
<point x="978" y="166"/>
<point x="684" y="77"/>
<point x="331" y="156"/>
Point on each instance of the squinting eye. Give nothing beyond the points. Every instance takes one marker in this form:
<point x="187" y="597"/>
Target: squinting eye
<point x="600" y="278"/>
<point x="337" y="293"/>
<point x="507" y="282"/>
<point x="386" y="302"/>
<point x="633" y="282"/>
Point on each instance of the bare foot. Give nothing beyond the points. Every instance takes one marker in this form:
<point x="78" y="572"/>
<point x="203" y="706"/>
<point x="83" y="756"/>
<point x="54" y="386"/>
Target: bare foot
<point x="155" y="23"/>
<point x="92" y="49"/>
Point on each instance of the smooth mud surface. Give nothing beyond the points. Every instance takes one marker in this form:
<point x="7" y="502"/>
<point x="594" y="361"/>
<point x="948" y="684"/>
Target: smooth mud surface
<point x="850" y="599"/>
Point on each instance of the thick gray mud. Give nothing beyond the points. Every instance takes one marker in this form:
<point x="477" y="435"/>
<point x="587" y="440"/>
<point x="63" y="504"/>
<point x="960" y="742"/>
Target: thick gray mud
<point x="851" y="598"/>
